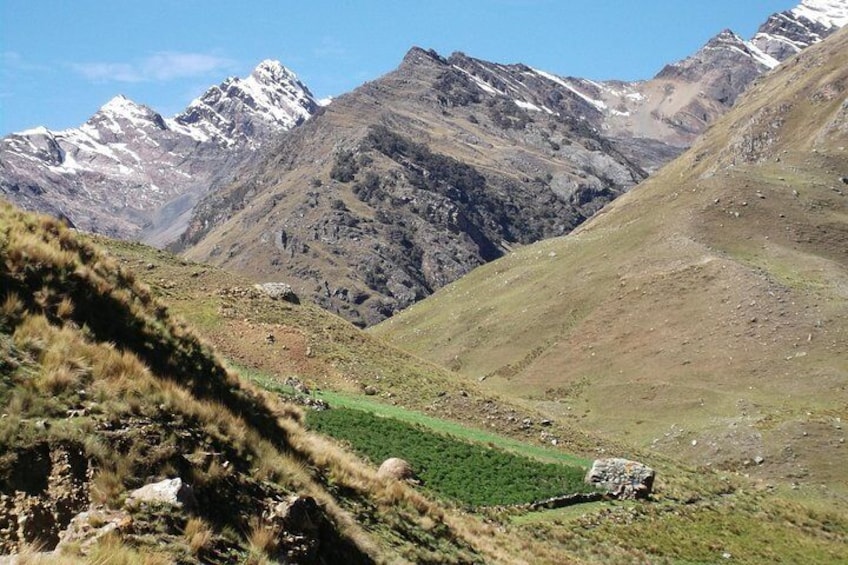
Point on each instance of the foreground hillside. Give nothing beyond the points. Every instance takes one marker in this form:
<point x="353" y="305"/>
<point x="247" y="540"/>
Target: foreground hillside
<point x="702" y="314"/>
<point x="103" y="391"/>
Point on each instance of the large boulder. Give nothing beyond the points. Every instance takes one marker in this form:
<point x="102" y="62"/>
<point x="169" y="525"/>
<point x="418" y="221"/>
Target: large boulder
<point x="278" y="291"/>
<point x="396" y="468"/>
<point x="622" y="478"/>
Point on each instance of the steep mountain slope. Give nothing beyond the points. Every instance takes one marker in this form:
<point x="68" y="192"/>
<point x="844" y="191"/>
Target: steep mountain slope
<point x="412" y="180"/>
<point x="128" y="172"/>
<point x="703" y="313"/>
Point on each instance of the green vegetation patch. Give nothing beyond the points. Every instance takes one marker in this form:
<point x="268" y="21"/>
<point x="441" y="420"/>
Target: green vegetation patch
<point x="465" y="472"/>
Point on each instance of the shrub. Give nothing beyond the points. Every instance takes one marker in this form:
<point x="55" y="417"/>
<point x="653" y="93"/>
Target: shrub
<point x="344" y="167"/>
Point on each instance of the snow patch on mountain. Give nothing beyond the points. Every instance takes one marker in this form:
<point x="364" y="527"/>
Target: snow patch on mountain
<point x="597" y="104"/>
<point x="829" y="13"/>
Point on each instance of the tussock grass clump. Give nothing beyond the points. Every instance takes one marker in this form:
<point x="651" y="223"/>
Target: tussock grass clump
<point x="198" y="534"/>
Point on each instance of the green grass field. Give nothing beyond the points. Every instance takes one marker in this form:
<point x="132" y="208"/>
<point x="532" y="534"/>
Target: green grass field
<point x="469" y="473"/>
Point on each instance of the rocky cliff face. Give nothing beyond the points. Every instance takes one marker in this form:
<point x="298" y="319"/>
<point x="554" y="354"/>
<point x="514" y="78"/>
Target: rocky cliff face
<point x="130" y="173"/>
<point x="411" y="181"/>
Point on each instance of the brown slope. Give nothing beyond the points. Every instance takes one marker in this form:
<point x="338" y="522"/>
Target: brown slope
<point x="704" y="312"/>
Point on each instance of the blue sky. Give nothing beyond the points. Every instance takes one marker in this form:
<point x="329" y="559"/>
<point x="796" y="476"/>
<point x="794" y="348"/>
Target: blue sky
<point x="60" y="60"/>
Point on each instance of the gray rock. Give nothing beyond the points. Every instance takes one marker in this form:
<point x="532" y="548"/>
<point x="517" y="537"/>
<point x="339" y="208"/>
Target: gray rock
<point x="622" y="478"/>
<point x="169" y="491"/>
<point x="278" y="291"/>
<point x="87" y="528"/>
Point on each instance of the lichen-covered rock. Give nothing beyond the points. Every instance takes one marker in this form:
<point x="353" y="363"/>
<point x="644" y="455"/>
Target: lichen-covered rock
<point x="622" y="478"/>
<point x="87" y="528"/>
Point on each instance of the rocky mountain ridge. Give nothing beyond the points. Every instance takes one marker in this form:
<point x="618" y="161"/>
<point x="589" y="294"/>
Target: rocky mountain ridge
<point x="129" y="172"/>
<point x="446" y="163"/>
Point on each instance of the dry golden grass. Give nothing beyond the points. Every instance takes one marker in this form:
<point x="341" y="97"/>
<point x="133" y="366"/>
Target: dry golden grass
<point x="198" y="534"/>
<point x="108" y="488"/>
<point x="111" y="550"/>
<point x="263" y="538"/>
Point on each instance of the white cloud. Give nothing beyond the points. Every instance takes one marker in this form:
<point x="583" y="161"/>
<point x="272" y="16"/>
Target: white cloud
<point x="158" y="67"/>
<point x="12" y="60"/>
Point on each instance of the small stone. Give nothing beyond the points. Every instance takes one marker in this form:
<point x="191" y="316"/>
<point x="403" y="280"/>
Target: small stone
<point x="759" y="460"/>
<point x="169" y="491"/>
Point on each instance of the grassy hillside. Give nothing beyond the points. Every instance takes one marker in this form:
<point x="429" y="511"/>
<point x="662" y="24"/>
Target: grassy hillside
<point x="119" y="420"/>
<point x="705" y="313"/>
<point x="338" y="362"/>
<point x="103" y="391"/>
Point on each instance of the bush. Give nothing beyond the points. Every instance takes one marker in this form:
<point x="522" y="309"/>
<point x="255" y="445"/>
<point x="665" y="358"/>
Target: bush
<point x="345" y="167"/>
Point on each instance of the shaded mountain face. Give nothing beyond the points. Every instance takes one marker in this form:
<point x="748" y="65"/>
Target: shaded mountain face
<point x="704" y="313"/>
<point x="130" y="173"/>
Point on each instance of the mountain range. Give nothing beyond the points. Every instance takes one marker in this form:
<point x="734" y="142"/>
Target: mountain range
<point x="128" y="172"/>
<point x="412" y="180"/>
<point x="160" y="410"/>
<point x="397" y="188"/>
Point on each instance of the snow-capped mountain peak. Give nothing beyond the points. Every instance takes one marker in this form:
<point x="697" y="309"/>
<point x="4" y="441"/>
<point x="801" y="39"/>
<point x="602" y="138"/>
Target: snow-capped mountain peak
<point x="271" y="98"/>
<point x="274" y="70"/>
<point x="116" y="171"/>
<point x="829" y="13"/>
<point x="787" y="33"/>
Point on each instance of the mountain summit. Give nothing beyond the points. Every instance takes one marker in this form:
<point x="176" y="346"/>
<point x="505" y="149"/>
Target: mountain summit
<point x="248" y="111"/>
<point x="787" y="33"/>
<point x="128" y="172"/>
